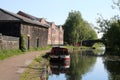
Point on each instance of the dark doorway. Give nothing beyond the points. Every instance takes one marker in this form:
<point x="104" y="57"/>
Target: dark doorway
<point x="28" y="43"/>
<point x="37" y="42"/>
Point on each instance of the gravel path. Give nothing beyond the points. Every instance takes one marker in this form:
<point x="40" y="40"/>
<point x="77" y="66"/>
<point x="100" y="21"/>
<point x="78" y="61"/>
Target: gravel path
<point x="12" y="68"/>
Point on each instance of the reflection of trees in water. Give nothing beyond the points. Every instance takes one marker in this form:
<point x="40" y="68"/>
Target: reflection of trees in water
<point x="113" y="67"/>
<point x="79" y="65"/>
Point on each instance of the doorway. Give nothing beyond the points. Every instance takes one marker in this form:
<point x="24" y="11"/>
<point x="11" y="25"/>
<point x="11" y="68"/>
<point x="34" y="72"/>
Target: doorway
<point x="37" y="42"/>
<point x="28" y="42"/>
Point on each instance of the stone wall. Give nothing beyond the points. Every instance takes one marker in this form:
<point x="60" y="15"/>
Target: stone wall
<point x="35" y="36"/>
<point x="8" y="42"/>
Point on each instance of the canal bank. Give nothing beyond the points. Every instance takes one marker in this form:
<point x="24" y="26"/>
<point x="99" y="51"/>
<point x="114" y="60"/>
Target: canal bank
<point x="12" y="68"/>
<point x="81" y="67"/>
<point x="85" y="67"/>
<point x="40" y="65"/>
<point x="37" y="70"/>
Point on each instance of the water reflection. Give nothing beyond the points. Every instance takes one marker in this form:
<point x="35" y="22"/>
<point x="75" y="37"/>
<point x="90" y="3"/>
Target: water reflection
<point x="80" y="65"/>
<point x="98" y="72"/>
<point x="74" y="70"/>
<point x="84" y="66"/>
<point x="59" y="67"/>
<point x="112" y="64"/>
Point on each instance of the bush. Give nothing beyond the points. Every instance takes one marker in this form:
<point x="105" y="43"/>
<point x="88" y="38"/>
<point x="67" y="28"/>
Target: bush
<point x="22" y="44"/>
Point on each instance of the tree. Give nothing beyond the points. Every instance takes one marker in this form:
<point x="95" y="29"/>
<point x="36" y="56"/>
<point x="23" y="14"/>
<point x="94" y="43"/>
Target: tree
<point x="111" y="37"/>
<point x="116" y="4"/>
<point x="111" y="29"/>
<point x="76" y="29"/>
<point x="71" y="27"/>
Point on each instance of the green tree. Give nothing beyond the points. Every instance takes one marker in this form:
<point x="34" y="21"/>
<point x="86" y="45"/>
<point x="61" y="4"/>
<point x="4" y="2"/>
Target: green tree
<point x="111" y="37"/>
<point x="76" y="29"/>
<point x="71" y="27"/>
<point x="111" y="30"/>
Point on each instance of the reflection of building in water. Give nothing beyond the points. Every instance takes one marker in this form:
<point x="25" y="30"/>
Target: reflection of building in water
<point x="59" y="67"/>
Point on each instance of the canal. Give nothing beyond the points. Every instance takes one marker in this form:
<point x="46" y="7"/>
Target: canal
<point x="86" y="67"/>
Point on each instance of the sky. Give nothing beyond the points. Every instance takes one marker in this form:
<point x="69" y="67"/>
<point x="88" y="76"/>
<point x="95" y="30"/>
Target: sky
<point x="57" y="10"/>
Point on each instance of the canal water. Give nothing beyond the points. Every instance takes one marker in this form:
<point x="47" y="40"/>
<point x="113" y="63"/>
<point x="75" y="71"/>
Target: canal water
<point x="86" y="67"/>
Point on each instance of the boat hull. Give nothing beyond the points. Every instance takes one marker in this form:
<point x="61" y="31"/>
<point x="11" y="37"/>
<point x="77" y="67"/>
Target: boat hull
<point x="60" y="57"/>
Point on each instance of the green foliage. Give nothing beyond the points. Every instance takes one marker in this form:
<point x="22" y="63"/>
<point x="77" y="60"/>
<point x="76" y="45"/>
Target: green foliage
<point x="97" y="45"/>
<point x="22" y="45"/>
<point x="111" y="30"/>
<point x="76" y="29"/>
<point x="8" y="53"/>
<point x="38" y="59"/>
<point x="111" y="37"/>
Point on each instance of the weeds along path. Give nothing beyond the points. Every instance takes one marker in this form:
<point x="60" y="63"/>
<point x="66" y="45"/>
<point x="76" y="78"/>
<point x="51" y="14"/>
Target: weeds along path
<point x="12" y="68"/>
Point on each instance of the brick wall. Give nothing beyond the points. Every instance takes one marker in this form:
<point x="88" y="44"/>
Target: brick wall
<point x="55" y="35"/>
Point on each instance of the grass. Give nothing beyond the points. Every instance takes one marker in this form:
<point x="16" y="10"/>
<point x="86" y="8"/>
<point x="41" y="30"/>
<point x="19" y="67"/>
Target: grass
<point x="78" y="47"/>
<point x="8" y="53"/>
<point x="34" y="70"/>
<point x="69" y="47"/>
<point x="40" y="48"/>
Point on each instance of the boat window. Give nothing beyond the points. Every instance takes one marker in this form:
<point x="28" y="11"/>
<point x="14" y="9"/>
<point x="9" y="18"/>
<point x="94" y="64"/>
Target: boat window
<point x="60" y="52"/>
<point x="66" y="52"/>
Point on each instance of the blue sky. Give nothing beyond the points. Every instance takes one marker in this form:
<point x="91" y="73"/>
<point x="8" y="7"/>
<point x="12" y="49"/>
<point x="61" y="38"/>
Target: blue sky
<point x="57" y="10"/>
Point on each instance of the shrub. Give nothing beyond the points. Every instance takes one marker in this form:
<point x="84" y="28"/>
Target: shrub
<point x="22" y="44"/>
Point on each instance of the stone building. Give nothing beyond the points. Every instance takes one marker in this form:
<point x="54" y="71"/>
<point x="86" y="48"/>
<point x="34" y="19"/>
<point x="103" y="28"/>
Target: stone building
<point x="55" y="32"/>
<point x="35" y="33"/>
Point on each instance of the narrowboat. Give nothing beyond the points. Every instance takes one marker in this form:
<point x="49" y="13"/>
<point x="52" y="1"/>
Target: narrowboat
<point x="59" y="54"/>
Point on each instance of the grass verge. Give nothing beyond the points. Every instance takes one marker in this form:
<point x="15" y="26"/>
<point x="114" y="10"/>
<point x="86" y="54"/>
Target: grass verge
<point x="78" y="47"/>
<point x="32" y="72"/>
<point x="40" y="48"/>
<point x="8" y="53"/>
<point x="35" y="69"/>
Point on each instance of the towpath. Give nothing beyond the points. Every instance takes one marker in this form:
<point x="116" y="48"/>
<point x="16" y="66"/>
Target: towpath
<point x="12" y="68"/>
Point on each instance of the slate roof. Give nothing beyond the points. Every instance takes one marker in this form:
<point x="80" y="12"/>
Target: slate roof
<point x="28" y="15"/>
<point x="32" y="17"/>
<point x="36" y="18"/>
<point x="16" y="17"/>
